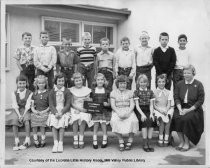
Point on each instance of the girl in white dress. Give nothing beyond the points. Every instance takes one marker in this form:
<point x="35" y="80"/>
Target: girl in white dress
<point x="79" y="117"/>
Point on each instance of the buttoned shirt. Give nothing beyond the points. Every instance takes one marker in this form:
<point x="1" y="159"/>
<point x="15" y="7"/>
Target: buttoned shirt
<point x="45" y="56"/>
<point x="125" y="59"/>
<point x="182" y="58"/>
<point x="186" y="94"/>
<point x="25" y="55"/>
<point x="67" y="59"/>
<point x="143" y="55"/>
<point x="105" y="59"/>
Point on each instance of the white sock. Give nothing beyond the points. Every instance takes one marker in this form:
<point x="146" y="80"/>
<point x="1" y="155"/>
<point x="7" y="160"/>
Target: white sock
<point x="166" y="137"/>
<point x="121" y="141"/>
<point x="75" y="137"/>
<point x="17" y="140"/>
<point x="55" y="142"/>
<point x="95" y="137"/>
<point x="61" y="142"/>
<point x="130" y="140"/>
<point x="161" y="137"/>
<point x="27" y="139"/>
<point x="105" y="137"/>
<point x="81" y="137"/>
<point x="43" y="137"/>
<point x="35" y="136"/>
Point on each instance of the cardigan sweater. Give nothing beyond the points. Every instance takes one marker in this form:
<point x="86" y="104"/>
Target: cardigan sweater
<point x="52" y="101"/>
<point x="164" y="62"/>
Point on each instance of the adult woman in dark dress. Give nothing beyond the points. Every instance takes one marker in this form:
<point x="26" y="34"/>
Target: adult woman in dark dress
<point x="188" y="119"/>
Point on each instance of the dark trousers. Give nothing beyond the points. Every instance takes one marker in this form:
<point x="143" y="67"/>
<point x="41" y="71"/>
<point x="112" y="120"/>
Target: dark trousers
<point x="108" y="73"/>
<point x="29" y="72"/>
<point x="88" y="72"/>
<point x="144" y="70"/>
<point x="68" y="72"/>
<point x="126" y="72"/>
<point x="49" y="75"/>
<point x="168" y="81"/>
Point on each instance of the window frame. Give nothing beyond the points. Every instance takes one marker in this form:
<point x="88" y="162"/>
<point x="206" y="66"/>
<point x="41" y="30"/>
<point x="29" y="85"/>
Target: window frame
<point x="81" y="29"/>
<point x="7" y="42"/>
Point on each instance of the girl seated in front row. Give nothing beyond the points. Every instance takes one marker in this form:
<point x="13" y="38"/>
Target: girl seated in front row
<point x="40" y="109"/>
<point x="143" y="98"/>
<point x="59" y="102"/>
<point x="100" y="95"/>
<point x="79" y="117"/>
<point x="163" y="110"/>
<point x="20" y="115"/>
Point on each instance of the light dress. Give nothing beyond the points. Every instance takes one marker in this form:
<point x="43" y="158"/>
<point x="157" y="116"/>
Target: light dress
<point x="122" y="103"/>
<point x="161" y="100"/>
<point x="79" y="95"/>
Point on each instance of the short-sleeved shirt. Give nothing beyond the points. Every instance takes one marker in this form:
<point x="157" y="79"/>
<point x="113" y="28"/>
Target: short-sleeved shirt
<point x="162" y="97"/>
<point x="67" y="59"/>
<point x="144" y="96"/>
<point x="25" y="55"/>
<point x="105" y="59"/>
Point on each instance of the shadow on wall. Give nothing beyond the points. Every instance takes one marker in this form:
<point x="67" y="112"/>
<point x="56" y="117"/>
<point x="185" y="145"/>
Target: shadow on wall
<point x="179" y="159"/>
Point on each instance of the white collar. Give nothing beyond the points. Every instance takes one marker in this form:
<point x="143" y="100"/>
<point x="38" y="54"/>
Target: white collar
<point x="23" y="92"/>
<point x="56" y="88"/>
<point x="186" y="82"/>
<point x="162" y="91"/>
<point x="143" y="89"/>
<point x="39" y="91"/>
<point x="164" y="48"/>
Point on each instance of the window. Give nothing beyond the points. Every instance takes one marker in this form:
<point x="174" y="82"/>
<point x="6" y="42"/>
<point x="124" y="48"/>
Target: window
<point x="60" y="27"/>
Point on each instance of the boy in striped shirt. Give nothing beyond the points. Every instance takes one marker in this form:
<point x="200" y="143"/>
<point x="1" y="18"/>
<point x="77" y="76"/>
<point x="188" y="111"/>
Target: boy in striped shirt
<point x="87" y="55"/>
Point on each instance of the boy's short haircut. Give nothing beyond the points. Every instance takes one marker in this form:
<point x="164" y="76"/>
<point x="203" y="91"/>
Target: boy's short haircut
<point x="125" y="39"/>
<point x="104" y="39"/>
<point x="182" y="36"/>
<point x="43" y="32"/>
<point x="26" y="34"/>
<point x="86" y="34"/>
<point x="163" y="34"/>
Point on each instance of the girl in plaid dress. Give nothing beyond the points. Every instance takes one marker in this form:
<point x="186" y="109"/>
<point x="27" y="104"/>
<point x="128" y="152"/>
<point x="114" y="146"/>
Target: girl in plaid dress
<point x="40" y="109"/>
<point x="100" y="95"/>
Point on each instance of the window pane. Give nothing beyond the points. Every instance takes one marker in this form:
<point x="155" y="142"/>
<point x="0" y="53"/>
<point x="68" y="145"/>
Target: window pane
<point x="88" y="28"/>
<point x="98" y="33"/>
<point x="110" y="34"/>
<point x="53" y="28"/>
<point x="70" y="30"/>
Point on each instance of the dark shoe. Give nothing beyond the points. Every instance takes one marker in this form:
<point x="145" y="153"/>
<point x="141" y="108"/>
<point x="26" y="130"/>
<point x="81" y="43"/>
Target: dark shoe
<point x="146" y="148"/>
<point x="151" y="149"/>
<point x="81" y="144"/>
<point x="42" y="144"/>
<point x="121" y="147"/>
<point x="104" y="145"/>
<point x="95" y="146"/>
<point x="178" y="148"/>
<point x="128" y="146"/>
<point x="76" y="144"/>
<point x="165" y="143"/>
<point x="36" y="143"/>
<point x="160" y="143"/>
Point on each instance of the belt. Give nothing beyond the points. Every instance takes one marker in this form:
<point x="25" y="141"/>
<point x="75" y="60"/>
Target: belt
<point x="105" y="69"/>
<point x="128" y="68"/>
<point x="67" y="68"/>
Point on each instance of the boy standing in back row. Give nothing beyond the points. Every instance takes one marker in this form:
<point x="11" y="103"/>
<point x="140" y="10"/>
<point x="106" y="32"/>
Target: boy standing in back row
<point x="164" y="59"/>
<point x="45" y="58"/>
<point x="87" y="55"/>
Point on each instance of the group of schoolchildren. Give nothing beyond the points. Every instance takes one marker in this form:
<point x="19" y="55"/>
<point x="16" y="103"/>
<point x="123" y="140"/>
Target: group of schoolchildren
<point x="43" y="99"/>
